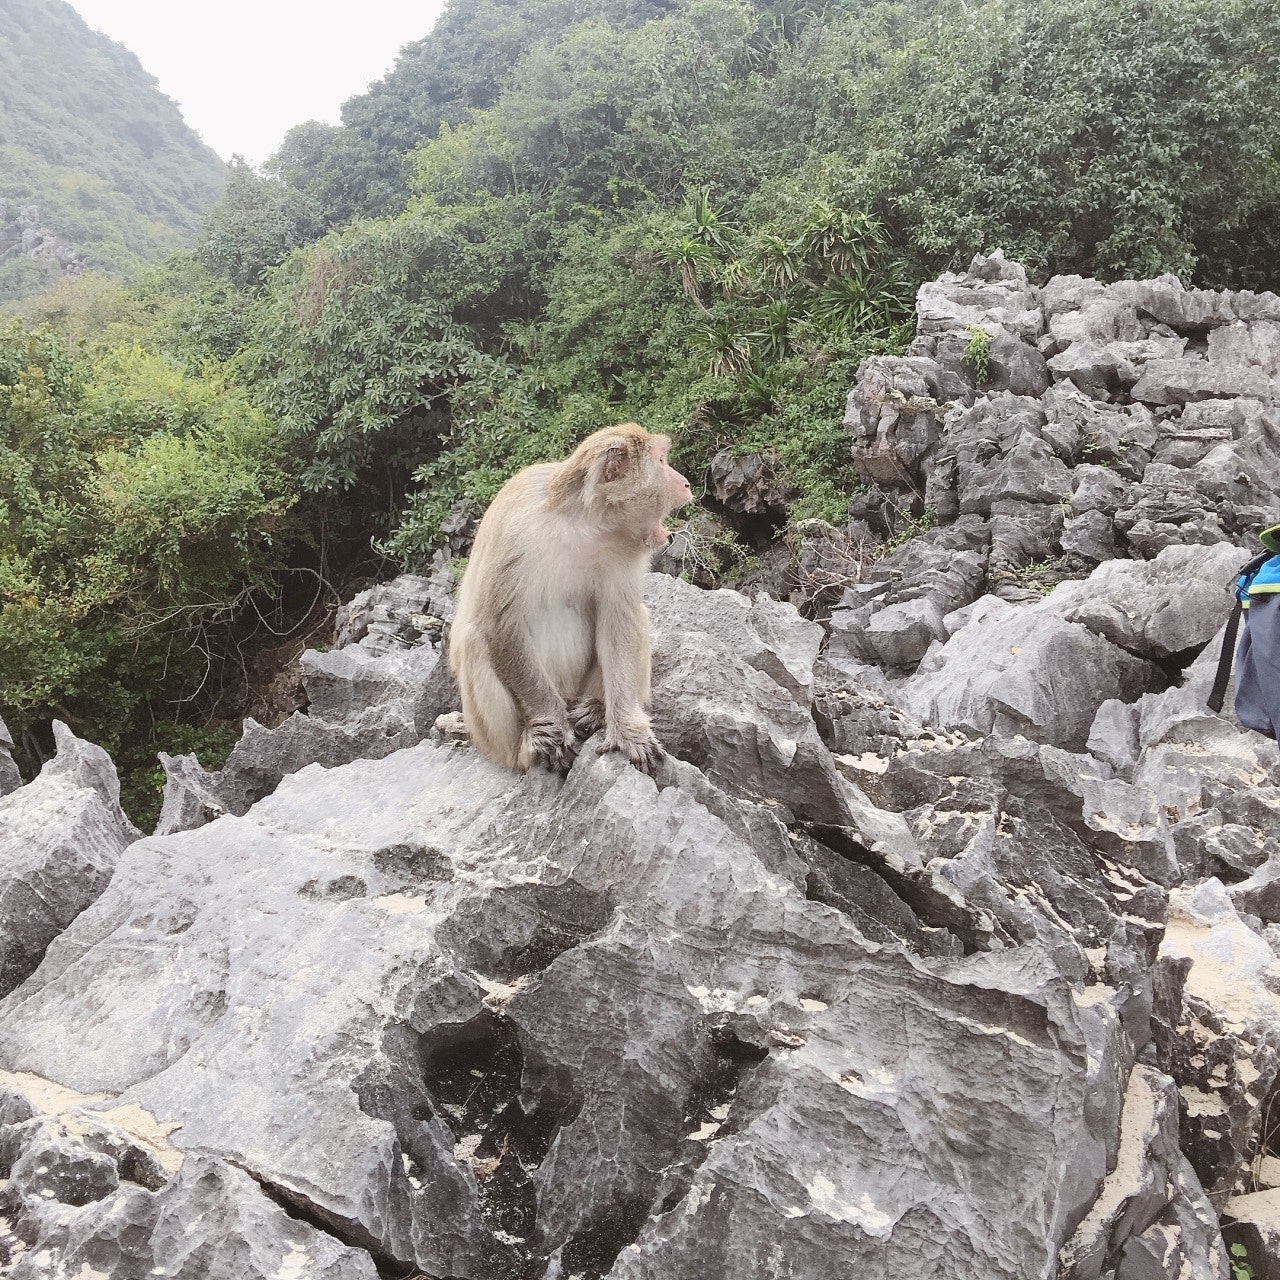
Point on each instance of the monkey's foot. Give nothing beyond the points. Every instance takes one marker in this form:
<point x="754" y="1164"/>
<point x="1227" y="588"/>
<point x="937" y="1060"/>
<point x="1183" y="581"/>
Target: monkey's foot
<point x="587" y="717"/>
<point x="637" y="744"/>
<point x="549" y="742"/>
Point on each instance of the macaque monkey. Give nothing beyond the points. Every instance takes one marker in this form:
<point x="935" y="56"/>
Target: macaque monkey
<point x="550" y="640"/>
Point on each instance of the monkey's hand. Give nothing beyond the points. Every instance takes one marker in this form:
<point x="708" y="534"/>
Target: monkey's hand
<point x="636" y="742"/>
<point x="549" y="742"/>
<point x="587" y="717"/>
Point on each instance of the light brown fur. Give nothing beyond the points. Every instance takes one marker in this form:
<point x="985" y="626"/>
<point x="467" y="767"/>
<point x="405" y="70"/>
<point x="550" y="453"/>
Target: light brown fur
<point x="550" y="641"/>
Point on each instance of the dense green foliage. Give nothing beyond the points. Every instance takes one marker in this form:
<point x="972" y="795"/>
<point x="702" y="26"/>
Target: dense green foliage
<point x="551" y="214"/>
<point x="1105" y="137"/>
<point x="136" y="512"/>
<point x="87" y="138"/>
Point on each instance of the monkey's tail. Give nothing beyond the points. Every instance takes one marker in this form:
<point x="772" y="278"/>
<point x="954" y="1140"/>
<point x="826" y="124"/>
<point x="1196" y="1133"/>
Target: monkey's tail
<point x="491" y="715"/>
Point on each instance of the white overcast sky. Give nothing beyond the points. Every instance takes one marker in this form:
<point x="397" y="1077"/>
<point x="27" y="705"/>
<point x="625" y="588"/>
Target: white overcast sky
<point x="245" y="71"/>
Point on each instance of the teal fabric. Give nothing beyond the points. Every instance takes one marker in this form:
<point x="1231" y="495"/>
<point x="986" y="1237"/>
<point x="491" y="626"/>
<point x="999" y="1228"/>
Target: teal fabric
<point x="1266" y="581"/>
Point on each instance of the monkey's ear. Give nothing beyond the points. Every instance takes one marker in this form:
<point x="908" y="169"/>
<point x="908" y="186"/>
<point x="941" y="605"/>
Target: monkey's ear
<point x="614" y="462"/>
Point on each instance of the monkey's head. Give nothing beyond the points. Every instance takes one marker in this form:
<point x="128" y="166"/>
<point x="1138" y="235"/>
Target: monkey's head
<point x="623" y="479"/>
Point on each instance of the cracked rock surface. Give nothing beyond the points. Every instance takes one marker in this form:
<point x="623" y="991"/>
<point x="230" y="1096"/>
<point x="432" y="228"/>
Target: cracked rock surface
<point x="60" y="839"/>
<point x="942" y="942"/>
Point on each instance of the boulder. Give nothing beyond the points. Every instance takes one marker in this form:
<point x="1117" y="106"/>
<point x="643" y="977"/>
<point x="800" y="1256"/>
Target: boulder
<point x="765" y="634"/>
<point x="993" y="293"/>
<point x="895" y="414"/>
<point x="379" y="690"/>
<point x="1189" y="379"/>
<point x="751" y="483"/>
<point x="1251" y="1224"/>
<point x="1174" y="603"/>
<point x="1168" y="1226"/>
<point x="1030" y="672"/>
<point x="96" y="1188"/>
<point x="395" y="615"/>
<point x="1227" y="1048"/>
<point x="60" y="839"/>
<point x="491" y="1019"/>
<point x="10" y="778"/>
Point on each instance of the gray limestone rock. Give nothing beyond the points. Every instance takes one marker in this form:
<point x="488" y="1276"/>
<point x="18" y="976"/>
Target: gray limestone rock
<point x="98" y="1189"/>
<point x="262" y="757"/>
<point x="992" y="293"/>
<point x="1011" y="364"/>
<point x="380" y="690"/>
<point x="1156" y="608"/>
<point x="893" y="615"/>
<point x="900" y="634"/>
<point x="1030" y="672"/>
<point x="997" y="452"/>
<point x="60" y="838"/>
<point x="1255" y="345"/>
<point x="10" y="778"/>
<point x="1226" y="1053"/>
<point x="1169" y="510"/>
<point x="895" y="414"/>
<point x="342" y="684"/>
<point x="1065" y="294"/>
<point x="1252" y="1222"/>
<point x="1197" y="310"/>
<point x="1099" y="489"/>
<point x="751" y="483"/>
<point x="1095" y="368"/>
<point x="1089" y="537"/>
<point x="393" y="615"/>
<point x="579" y="1021"/>
<point x="765" y="634"/>
<point x="1188" y="379"/>
<point x="1078" y="313"/>
<point x="1151" y="1220"/>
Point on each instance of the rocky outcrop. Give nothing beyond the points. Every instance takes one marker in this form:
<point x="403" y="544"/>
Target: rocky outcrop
<point x="379" y="689"/>
<point x="60" y="839"/>
<point x="10" y="778"/>
<point x="96" y="1191"/>
<point x="24" y="235"/>
<point x="1059" y="427"/>
<point x="941" y="942"/>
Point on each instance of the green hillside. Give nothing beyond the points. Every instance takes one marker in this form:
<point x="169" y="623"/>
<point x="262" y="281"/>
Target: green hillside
<point x="88" y="140"/>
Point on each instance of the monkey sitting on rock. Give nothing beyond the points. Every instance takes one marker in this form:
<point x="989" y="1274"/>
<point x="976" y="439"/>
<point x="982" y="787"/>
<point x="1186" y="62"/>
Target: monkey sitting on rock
<point x="550" y="639"/>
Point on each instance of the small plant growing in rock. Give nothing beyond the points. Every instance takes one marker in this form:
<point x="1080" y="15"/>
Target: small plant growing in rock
<point x="977" y="355"/>
<point x="1240" y="1268"/>
<point x="908" y="526"/>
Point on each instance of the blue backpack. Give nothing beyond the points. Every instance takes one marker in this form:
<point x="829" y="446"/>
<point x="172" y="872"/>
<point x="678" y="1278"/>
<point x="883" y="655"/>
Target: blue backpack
<point x="1257" y="660"/>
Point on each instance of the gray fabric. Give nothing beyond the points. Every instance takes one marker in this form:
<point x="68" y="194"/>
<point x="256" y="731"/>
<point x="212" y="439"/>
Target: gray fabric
<point x="1258" y="667"/>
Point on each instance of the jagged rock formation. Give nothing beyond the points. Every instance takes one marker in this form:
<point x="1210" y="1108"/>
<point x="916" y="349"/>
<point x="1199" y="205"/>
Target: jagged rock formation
<point x="60" y="840"/>
<point x="1058" y="428"/>
<point x="10" y="778"/>
<point x="23" y="234"/>
<point x="941" y="944"/>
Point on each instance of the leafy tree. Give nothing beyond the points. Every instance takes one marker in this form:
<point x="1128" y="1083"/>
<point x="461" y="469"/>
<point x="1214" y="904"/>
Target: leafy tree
<point x="139" y="509"/>
<point x="1089" y="136"/>
<point x="365" y="337"/>
<point x="255" y="225"/>
<point x="342" y="173"/>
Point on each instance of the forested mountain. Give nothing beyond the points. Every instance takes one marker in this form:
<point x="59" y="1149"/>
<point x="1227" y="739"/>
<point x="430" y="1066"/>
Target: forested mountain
<point x="698" y="214"/>
<point x="88" y="141"/>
